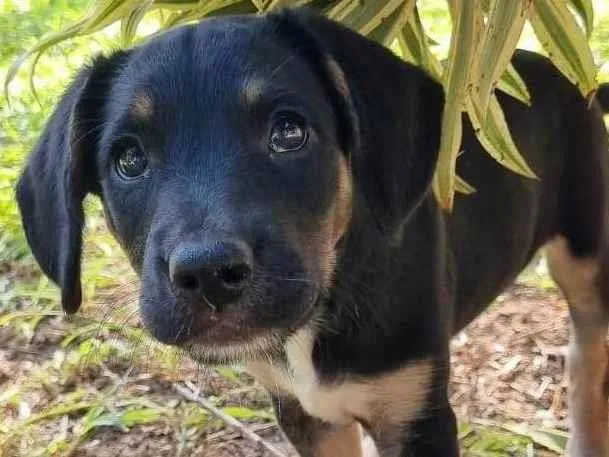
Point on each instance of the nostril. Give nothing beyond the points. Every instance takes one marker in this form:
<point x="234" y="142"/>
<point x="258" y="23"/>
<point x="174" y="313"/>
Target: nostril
<point x="234" y="275"/>
<point x="186" y="281"/>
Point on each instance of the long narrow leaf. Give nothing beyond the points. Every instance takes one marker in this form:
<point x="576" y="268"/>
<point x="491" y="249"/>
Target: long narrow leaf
<point x="130" y="23"/>
<point x="414" y="45"/>
<point x="462" y="186"/>
<point x="503" y="29"/>
<point x="565" y="42"/>
<point x="494" y="135"/>
<point x="107" y="12"/>
<point x="341" y="9"/>
<point x="389" y="28"/>
<point x="370" y="14"/>
<point x="466" y="25"/>
<point x="512" y="84"/>
<point x="585" y="10"/>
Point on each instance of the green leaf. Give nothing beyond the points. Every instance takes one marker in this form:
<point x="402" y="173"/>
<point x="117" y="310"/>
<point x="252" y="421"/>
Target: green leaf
<point x="129" y="24"/>
<point x="466" y="28"/>
<point x="413" y="43"/>
<point x="106" y="12"/>
<point x="140" y="416"/>
<point x="462" y="186"/>
<point x="512" y="84"/>
<point x="585" y="10"/>
<point x="554" y="440"/>
<point x="370" y="14"/>
<point x="501" y="33"/>
<point x="56" y="411"/>
<point x="565" y="42"/>
<point x="229" y="374"/>
<point x="494" y="135"/>
<point x="125" y="419"/>
<point x="243" y="413"/>
<point x="341" y="10"/>
<point x="387" y="31"/>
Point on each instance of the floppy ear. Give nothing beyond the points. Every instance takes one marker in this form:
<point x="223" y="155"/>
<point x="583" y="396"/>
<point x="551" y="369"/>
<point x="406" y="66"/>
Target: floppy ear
<point x="390" y="111"/>
<point x="59" y="174"/>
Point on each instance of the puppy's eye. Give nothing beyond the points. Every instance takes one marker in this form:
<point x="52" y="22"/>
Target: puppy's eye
<point x="131" y="162"/>
<point x="288" y="133"/>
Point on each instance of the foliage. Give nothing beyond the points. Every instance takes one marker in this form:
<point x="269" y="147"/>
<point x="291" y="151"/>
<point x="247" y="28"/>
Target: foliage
<point x="484" y="36"/>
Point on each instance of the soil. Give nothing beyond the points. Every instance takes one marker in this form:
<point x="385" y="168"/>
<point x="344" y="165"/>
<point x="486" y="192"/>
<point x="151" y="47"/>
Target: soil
<point x="507" y="368"/>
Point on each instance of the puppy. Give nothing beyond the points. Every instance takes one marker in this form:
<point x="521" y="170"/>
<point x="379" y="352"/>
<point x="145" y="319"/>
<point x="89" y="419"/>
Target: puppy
<point x="269" y="179"/>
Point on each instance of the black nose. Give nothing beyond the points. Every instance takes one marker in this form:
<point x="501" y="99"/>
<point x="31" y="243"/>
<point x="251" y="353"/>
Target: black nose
<point x="213" y="272"/>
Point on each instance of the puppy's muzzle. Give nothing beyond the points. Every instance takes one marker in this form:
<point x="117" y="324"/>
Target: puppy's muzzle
<point x="211" y="272"/>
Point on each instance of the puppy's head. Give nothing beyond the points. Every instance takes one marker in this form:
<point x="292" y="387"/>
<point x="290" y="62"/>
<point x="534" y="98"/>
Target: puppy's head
<point x="232" y="158"/>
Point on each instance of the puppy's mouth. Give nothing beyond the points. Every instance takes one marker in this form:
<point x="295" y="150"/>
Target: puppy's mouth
<point x="227" y="338"/>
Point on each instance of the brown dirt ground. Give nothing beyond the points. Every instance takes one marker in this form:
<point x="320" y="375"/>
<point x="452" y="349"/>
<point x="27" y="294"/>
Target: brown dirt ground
<point x="507" y="367"/>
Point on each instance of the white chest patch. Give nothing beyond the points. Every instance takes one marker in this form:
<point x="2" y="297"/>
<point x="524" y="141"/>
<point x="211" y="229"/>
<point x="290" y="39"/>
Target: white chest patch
<point x="399" y="395"/>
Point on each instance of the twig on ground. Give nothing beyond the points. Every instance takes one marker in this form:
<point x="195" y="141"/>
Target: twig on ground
<point x="192" y="395"/>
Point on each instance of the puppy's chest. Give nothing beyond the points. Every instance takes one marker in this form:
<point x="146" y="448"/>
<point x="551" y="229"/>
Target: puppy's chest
<point x="339" y="402"/>
<point x="398" y="396"/>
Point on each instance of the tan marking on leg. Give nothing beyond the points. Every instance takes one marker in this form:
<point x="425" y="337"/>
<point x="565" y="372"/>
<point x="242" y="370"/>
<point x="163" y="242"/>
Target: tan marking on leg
<point x="588" y="358"/>
<point x="344" y="441"/>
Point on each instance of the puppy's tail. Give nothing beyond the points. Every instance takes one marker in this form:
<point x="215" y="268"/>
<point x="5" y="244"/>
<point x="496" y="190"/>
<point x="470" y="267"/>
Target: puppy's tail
<point x="602" y="95"/>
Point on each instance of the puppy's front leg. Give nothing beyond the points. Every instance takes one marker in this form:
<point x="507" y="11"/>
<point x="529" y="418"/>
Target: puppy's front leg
<point x="313" y="437"/>
<point x="432" y="436"/>
<point x="404" y="425"/>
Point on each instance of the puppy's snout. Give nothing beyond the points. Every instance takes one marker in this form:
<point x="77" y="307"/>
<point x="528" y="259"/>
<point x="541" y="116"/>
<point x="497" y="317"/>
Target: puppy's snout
<point x="213" y="272"/>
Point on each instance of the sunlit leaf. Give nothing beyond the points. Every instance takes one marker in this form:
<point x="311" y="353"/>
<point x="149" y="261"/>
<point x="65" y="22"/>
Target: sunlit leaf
<point x="370" y="14"/>
<point x="463" y="186"/>
<point x="512" y="84"/>
<point x="566" y="43"/>
<point x="243" y="413"/>
<point x="585" y="10"/>
<point x="466" y="29"/>
<point x="129" y="24"/>
<point x="494" y="135"/>
<point x="501" y="34"/>
<point x="386" y="32"/>
<point x="414" y="46"/>
<point x="554" y="440"/>
<point x="479" y="57"/>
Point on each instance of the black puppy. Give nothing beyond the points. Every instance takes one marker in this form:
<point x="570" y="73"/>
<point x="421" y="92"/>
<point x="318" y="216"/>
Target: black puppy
<point x="269" y="179"/>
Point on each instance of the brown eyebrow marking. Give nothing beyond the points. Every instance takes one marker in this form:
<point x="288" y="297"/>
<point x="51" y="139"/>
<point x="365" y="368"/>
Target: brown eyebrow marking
<point x="142" y="107"/>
